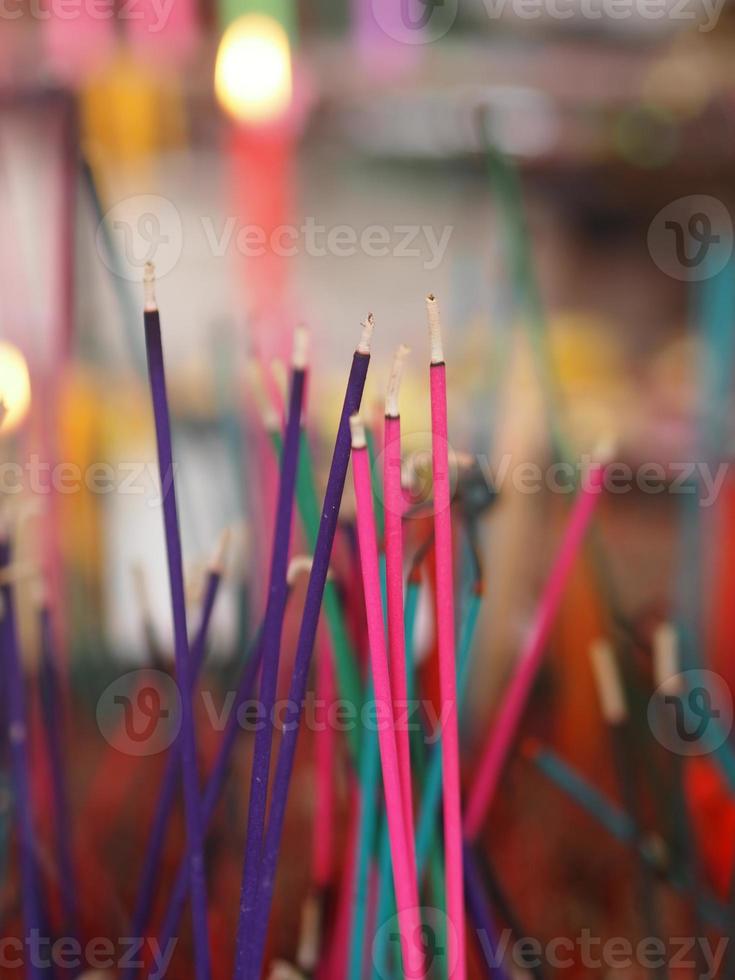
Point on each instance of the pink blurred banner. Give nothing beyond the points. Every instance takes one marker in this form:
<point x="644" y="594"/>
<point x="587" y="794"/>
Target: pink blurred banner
<point x="171" y="26"/>
<point x="78" y="40"/>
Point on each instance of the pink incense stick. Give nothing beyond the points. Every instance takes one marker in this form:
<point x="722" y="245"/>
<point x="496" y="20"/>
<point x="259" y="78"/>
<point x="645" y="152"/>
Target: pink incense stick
<point x="447" y="656"/>
<point x="502" y="733"/>
<point x="406" y="888"/>
<point x="393" y="510"/>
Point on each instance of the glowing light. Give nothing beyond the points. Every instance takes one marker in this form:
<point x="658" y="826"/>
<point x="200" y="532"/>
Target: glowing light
<point x="252" y="77"/>
<point x="15" y="388"/>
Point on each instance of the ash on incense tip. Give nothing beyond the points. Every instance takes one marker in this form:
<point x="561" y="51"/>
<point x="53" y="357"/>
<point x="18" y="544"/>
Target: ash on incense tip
<point x="300" y="353"/>
<point x="435" y="331"/>
<point x="149" y="288"/>
<point x="299" y="565"/>
<point x="666" y="670"/>
<point x="609" y="683"/>
<point x="394" y="382"/>
<point x="368" y="325"/>
<point x="358" y="432"/>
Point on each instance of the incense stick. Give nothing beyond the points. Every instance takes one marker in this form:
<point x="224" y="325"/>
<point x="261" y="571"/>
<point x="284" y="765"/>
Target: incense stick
<point x="53" y="722"/>
<point x="187" y="736"/>
<point x="446" y="643"/>
<point x="272" y="634"/>
<point x="170" y="779"/>
<point x="485" y="930"/>
<point x="503" y="730"/>
<point x="17" y="737"/>
<point x="393" y="511"/>
<point x="403" y="870"/>
<point x="214" y="786"/>
<point x="614" y="709"/>
<point x="348" y="677"/>
<point x="305" y="645"/>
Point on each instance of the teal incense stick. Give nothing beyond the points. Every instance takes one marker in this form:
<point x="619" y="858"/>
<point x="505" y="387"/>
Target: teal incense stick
<point x="187" y="736"/>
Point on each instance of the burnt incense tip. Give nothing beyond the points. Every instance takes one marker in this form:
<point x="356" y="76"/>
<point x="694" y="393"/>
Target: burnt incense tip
<point x="300" y="352"/>
<point x="219" y="559"/>
<point x="149" y="288"/>
<point x="394" y="382"/>
<point x="609" y="683"/>
<point x="435" y="329"/>
<point x="666" y="668"/>
<point x="368" y="325"/>
<point x="357" y="429"/>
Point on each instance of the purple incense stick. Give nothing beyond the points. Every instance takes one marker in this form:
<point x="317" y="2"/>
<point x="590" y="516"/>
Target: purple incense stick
<point x="170" y="780"/>
<point x="479" y="909"/>
<point x="215" y="785"/>
<point x="272" y="637"/>
<point x="187" y="736"/>
<point x="54" y="729"/>
<point x="258" y="927"/>
<point x="17" y="734"/>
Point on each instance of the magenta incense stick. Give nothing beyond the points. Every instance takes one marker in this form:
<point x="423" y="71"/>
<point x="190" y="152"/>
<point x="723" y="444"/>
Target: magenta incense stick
<point x="393" y="516"/>
<point x="255" y="944"/>
<point x="500" y="738"/>
<point x="170" y="780"/>
<point x="187" y="737"/>
<point x="271" y="644"/>
<point x="446" y="644"/>
<point x="401" y="838"/>
<point x="17" y="735"/>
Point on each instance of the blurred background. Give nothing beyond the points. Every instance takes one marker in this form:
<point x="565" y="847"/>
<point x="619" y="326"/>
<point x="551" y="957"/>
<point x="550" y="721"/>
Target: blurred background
<point x="557" y="172"/>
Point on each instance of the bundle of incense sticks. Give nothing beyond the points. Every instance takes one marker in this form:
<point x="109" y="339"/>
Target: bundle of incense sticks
<point x="304" y="847"/>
